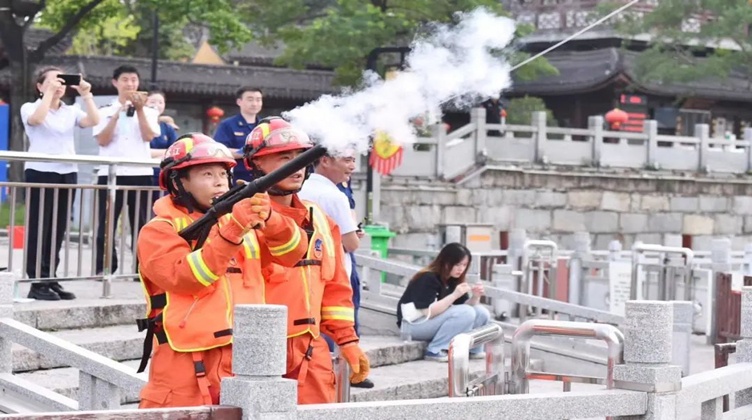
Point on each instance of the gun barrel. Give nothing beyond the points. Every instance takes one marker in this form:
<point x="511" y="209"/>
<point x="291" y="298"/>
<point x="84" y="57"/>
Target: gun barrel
<point x="261" y="184"/>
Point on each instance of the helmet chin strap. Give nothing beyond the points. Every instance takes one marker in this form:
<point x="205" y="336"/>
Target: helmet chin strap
<point x="183" y="197"/>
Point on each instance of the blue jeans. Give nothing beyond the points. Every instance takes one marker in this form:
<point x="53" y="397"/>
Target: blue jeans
<point x="440" y="330"/>
<point x="355" y="284"/>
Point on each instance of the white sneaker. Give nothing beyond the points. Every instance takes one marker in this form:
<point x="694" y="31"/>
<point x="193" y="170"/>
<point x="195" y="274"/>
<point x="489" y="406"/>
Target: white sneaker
<point x="436" y="357"/>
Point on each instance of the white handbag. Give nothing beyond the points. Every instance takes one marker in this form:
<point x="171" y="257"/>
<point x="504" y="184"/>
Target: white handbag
<point x="411" y="314"/>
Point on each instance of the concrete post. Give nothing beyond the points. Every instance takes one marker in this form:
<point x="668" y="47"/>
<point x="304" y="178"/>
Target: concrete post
<point x="747" y="267"/>
<point x="595" y="125"/>
<point x="651" y="130"/>
<point x="7" y="283"/>
<point x="648" y="351"/>
<point x="702" y="132"/>
<point x="517" y="238"/>
<point x="614" y="250"/>
<point x="259" y="359"/>
<point x="438" y="133"/>
<point x="744" y="346"/>
<point x="720" y="259"/>
<point x="581" y="252"/>
<point x="541" y="135"/>
<point x="481" y="132"/>
<point x="747" y="136"/>
<point x="683" y="319"/>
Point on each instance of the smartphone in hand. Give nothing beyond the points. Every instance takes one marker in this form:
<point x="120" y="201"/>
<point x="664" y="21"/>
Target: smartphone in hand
<point x="70" y="79"/>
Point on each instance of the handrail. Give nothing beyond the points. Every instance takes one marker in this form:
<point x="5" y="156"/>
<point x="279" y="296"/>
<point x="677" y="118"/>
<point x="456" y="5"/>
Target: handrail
<point x="614" y="338"/>
<point x="91" y="159"/>
<point x="75" y="356"/>
<point x="214" y="412"/>
<point x="492" y="336"/>
<point x="342" y="373"/>
<point x="554" y="306"/>
<point x="527" y="284"/>
<point x="640" y="248"/>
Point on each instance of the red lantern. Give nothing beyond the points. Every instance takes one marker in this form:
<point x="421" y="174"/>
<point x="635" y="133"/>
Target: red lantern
<point x="616" y="117"/>
<point x="215" y="114"/>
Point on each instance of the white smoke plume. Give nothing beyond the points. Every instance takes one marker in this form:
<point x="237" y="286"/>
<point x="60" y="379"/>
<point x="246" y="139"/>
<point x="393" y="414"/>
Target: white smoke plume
<point x="452" y="63"/>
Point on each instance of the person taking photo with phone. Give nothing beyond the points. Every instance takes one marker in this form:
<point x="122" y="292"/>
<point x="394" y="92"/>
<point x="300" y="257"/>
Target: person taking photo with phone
<point x="49" y="124"/>
<point x="125" y="131"/>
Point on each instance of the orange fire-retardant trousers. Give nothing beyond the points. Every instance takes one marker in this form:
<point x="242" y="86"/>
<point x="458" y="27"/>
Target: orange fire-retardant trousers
<point x="172" y="377"/>
<point x="317" y="387"/>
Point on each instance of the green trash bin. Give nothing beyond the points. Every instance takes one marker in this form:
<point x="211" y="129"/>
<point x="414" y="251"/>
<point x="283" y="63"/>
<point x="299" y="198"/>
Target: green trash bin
<point x="380" y="237"/>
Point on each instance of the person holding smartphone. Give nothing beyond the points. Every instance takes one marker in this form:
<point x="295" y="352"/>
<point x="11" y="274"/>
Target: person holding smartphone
<point x="125" y="131"/>
<point x="439" y="304"/>
<point x="49" y="124"/>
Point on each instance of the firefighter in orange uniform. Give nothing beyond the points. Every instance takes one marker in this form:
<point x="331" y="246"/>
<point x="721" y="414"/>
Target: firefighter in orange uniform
<point x="191" y="292"/>
<point x="324" y="303"/>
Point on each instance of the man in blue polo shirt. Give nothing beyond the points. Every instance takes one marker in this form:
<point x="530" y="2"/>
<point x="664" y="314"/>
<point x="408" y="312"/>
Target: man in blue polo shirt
<point x="233" y="131"/>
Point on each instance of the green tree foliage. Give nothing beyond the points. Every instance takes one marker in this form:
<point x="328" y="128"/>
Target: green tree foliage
<point x="340" y="33"/>
<point x="520" y="110"/>
<point x="680" y="50"/>
<point x="93" y="19"/>
<point x="124" y="27"/>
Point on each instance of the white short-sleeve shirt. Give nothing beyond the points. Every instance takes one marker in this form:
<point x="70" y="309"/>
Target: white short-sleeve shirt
<point x="54" y="136"/>
<point x="126" y="139"/>
<point x="333" y="202"/>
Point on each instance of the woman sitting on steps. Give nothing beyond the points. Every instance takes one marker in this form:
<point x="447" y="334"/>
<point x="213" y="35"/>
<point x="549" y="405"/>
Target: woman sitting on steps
<point x="437" y="304"/>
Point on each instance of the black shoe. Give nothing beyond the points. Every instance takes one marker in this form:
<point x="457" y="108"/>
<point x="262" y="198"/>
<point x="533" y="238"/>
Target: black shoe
<point x="57" y="288"/>
<point x="367" y="383"/>
<point x="42" y="292"/>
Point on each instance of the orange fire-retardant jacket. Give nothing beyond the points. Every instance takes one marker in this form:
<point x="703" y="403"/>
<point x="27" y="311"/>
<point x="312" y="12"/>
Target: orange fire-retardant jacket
<point x="324" y="302"/>
<point x="198" y="289"/>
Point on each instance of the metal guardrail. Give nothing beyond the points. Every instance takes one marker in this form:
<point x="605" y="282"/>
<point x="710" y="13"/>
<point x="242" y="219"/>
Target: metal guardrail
<point x="666" y="288"/>
<point x="492" y="383"/>
<point x="520" y="373"/>
<point x="539" y="271"/>
<point x="342" y="375"/>
<point x="79" y="247"/>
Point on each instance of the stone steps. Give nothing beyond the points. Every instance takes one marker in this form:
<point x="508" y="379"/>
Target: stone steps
<point x="122" y="344"/>
<point x="80" y="313"/>
<point x="398" y="369"/>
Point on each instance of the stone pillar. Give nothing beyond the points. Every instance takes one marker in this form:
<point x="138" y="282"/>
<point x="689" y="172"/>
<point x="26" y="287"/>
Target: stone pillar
<point x="517" y="239"/>
<point x="541" y="135"/>
<point x="747" y="267"/>
<point x="651" y="130"/>
<point x="744" y="346"/>
<point x="259" y="356"/>
<point x="595" y="125"/>
<point x="7" y="283"/>
<point x="720" y="259"/>
<point x="648" y="351"/>
<point x="581" y="252"/>
<point x="684" y="312"/>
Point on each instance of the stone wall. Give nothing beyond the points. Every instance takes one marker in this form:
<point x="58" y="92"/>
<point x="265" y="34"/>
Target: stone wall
<point x="555" y="205"/>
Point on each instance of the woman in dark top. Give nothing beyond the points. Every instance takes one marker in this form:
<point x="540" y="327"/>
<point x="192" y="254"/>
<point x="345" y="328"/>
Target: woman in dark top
<point x="440" y="305"/>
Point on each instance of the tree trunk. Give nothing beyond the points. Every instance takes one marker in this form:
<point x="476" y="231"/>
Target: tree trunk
<point x="20" y="93"/>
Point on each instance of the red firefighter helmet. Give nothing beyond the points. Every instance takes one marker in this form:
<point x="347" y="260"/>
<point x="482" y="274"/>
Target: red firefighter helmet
<point x="190" y="150"/>
<point x="273" y="135"/>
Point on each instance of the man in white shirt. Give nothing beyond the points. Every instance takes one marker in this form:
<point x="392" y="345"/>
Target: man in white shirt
<point x="125" y="130"/>
<point x="321" y="188"/>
